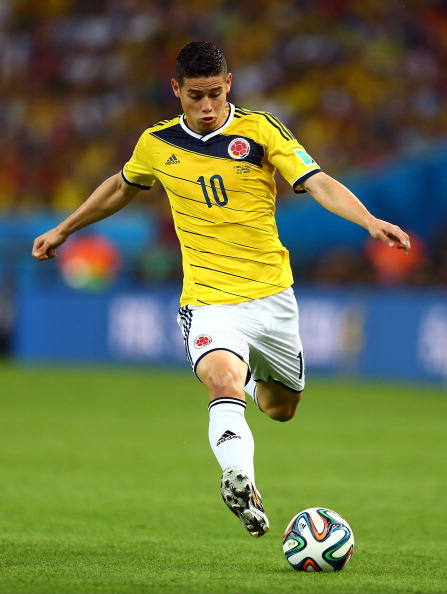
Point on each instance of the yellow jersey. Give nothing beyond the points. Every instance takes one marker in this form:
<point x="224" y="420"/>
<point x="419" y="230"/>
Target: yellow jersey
<point x="222" y="194"/>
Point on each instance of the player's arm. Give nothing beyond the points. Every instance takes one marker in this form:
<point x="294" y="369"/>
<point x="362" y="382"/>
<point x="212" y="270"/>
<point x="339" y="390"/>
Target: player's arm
<point x="112" y="195"/>
<point x="337" y="198"/>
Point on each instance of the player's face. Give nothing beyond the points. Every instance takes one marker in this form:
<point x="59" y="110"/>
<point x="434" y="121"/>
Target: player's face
<point x="204" y="101"/>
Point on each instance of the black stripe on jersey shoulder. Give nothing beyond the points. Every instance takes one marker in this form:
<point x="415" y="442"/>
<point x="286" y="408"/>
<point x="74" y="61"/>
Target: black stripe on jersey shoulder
<point x="163" y="123"/>
<point x="216" y="147"/>
<point x="273" y="120"/>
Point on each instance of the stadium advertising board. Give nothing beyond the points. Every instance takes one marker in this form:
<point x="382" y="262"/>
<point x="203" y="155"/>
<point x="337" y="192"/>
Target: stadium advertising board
<point x="370" y="333"/>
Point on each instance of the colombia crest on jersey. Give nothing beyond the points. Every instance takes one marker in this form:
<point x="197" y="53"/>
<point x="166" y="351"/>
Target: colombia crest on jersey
<point x="222" y="193"/>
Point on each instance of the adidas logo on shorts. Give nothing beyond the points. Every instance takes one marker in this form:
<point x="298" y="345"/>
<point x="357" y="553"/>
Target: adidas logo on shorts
<point x="227" y="436"/>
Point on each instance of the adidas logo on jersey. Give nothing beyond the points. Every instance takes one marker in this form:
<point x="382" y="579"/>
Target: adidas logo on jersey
<point x="172" y="160"/>
<point x="227" y="436"/>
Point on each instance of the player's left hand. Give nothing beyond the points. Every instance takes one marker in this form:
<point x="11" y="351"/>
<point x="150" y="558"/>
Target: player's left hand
<point x="391" y="235"/>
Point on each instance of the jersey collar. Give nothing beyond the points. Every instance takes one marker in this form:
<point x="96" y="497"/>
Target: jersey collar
<point x="211" y="134"/>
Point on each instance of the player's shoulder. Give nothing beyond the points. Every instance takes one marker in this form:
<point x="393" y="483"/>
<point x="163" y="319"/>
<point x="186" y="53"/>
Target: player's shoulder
<point x="266" y="121"/>
<point x="250" y="114"/>
<point x="163" y="125"/>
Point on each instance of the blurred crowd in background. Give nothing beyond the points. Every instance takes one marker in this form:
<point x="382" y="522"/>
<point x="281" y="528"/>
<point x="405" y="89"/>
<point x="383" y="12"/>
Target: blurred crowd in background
<point x="356" y="81"/>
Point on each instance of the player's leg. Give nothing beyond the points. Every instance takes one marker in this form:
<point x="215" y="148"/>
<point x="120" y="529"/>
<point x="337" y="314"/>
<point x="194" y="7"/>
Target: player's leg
<point x="277" y="401"/>
<point x="276" y="356"/>
<point x="219" y="354"/>
<point x="224" y="375"/>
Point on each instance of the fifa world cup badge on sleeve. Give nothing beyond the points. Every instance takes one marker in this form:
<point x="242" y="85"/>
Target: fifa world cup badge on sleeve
<point x="304" y="157"/>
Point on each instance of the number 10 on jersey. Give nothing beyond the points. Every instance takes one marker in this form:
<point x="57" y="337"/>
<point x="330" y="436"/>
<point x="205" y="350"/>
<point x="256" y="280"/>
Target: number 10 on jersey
<point x="218" y="190"/>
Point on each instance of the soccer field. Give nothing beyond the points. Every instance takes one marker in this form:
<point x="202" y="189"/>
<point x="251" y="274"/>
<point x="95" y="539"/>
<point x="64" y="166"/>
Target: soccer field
<point x="108" y="485"/>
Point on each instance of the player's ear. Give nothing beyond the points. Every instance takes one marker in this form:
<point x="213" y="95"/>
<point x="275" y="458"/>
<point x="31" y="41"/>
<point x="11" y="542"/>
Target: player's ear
<point x="175" y="88"/>
<point x="228" y="81"/>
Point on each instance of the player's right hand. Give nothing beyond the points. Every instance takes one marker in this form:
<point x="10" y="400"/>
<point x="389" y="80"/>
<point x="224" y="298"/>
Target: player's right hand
<point x="45" y="245"/>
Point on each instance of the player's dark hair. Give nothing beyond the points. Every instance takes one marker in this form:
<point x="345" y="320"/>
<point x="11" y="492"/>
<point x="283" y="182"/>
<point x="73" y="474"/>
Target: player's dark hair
<point x="197" y="59"/>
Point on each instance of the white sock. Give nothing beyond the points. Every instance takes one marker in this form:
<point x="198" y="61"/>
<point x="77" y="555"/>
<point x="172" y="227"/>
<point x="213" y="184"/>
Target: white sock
<point x="251" y="389"/>
<point x="230" y="437"/>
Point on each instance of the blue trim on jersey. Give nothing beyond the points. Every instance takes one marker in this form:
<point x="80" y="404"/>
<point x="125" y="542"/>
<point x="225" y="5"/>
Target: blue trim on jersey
<point x="217" y="146"/>
<point x="301" y="179"/>
<point x="134" y="184"/>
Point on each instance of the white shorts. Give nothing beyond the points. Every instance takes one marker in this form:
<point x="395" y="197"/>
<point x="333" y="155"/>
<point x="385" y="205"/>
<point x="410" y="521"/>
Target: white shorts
<point x="264" y="333"/>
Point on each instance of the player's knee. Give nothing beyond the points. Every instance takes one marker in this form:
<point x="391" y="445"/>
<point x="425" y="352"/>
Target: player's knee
<point x="223" y="373"/>
<point x="222" y="382"/>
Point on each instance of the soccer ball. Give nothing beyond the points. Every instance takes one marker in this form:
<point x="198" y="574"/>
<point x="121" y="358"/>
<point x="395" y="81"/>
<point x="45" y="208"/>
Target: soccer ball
<point x="318" y="539"/>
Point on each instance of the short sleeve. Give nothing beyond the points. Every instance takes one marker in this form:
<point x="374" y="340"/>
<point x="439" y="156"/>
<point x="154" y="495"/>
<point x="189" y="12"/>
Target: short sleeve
<point x="290" y="157"/>
<point x="137" y="171"/>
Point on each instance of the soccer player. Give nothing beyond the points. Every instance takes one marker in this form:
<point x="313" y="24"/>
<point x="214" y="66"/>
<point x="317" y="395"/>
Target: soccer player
<point x="238" y="312"/>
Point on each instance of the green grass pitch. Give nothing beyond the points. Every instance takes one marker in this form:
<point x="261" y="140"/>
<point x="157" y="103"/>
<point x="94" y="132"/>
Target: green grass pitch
<point x="108" y="485"/>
